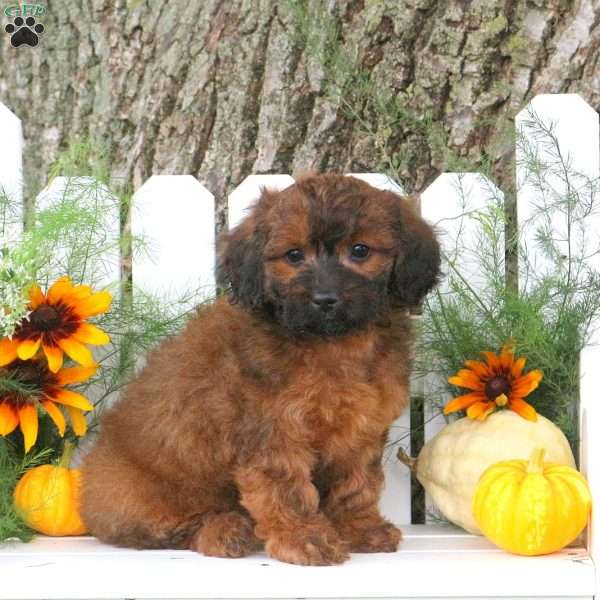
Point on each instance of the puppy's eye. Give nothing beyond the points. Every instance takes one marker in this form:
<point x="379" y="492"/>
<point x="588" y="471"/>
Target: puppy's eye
<point x="295" y="256"/>
<point x="359" y="252"/>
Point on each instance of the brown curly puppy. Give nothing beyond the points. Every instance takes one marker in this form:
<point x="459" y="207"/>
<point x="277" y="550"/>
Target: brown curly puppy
<point x="264" y="421"/>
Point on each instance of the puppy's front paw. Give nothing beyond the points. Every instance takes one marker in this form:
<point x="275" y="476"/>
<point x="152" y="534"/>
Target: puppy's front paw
<point x="308" y="547"/>
<point x="379" y="536"/>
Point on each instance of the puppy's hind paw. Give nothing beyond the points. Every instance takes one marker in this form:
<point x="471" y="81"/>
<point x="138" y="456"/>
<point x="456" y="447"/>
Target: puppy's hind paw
<point x="227" y="535"/>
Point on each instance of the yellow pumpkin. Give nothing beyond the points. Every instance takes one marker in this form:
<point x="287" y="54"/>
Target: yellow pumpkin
<point x="531" y="507"/>
<point x="450" y="465"/>
<point x="47" y="498"/>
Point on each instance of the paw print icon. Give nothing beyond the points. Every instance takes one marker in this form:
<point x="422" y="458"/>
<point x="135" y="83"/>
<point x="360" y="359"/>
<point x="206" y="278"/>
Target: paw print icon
<point x="24" y="31"/>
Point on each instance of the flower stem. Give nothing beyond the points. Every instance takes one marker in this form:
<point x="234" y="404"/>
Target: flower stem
<point x="65" y="460"/>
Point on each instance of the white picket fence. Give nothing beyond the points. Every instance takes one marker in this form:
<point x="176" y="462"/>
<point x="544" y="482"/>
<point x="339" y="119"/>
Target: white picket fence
<point x="175" y="213"/>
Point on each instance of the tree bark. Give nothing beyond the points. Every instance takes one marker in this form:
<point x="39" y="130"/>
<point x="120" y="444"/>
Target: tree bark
<point x="222" y="89"/>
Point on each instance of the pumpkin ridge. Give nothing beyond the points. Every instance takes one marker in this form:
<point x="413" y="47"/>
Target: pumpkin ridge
<point x="495" y="505"/>
<point x="578" y="486"/>
<point x="530" y="510"/>
<point x="563" y="491"/>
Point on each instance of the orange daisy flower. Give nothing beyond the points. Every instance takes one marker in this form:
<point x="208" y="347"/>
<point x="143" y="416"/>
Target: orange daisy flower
<point x="498" y="382"/>
<point x="57" y="323"/>
<point x="34" y="386"/>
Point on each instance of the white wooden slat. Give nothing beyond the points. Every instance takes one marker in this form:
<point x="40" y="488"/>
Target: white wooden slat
<point x="73" y="198"/>
<point x="380" y="181"/>
<point x="589" y="448"/>
<point x="457" y="205"/>
<point x="173" y="216"/>
<point x="249" y="191"/>
<point x="65" y="195"/>
<point x="11" y="176"/>
<point x="433" y="562"/>
<point x="395" y="503"/>
<point x="558" y="167"/>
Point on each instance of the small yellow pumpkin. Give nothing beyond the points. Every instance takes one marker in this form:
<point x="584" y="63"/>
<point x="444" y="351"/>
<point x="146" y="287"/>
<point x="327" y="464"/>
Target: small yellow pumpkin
<point x="47" y="498"/>
<point x="531" y="507"/>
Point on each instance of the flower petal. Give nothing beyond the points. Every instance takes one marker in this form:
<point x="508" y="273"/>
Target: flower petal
<point x="90" y="334"/>
<point x="55" y="357"/>
<point x="28" y="348"/>
<point x="78" y="293"/>
<point x="517" y="367"/>
<point x="70" y="398"/>
<point x="28" y="422"/>
<point x="58" y="289"/>
<point x="480" y="410"/>
<point x="478" y="367"/>
<point x="78" y="421"/>
<point x="492" y="360"/>
<point x="8" y="419"/>
<point x="462" y="402"/>
<point x="467" y="379"/>
<point x="523" y="408"/>
<point x="93" y="305"/>
<point x="527" y="383"/>
<point x="506" y="359"/>
<point x="75" y="374"/>
<point x="56" y="415"/>
<point x="36" y="296"/>
<point x="77" y="351"/>
<point x="8" y="351"/>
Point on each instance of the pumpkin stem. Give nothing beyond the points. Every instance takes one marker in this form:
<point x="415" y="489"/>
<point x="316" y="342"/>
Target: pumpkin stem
<point x="407" y="460"/>
<point x="67" y="455"/>
<point x="536" y="461"/>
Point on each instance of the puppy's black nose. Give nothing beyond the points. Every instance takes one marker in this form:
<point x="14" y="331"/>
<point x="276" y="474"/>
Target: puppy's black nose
<point x="325" y="300"/>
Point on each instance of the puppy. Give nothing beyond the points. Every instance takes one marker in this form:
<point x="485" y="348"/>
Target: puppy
<point x="264" y="422"/>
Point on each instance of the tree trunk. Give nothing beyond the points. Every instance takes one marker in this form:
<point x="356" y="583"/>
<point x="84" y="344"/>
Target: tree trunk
<point x="223" y="89"/>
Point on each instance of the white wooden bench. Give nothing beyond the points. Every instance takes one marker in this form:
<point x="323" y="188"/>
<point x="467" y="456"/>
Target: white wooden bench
<point x="434" y="561"/>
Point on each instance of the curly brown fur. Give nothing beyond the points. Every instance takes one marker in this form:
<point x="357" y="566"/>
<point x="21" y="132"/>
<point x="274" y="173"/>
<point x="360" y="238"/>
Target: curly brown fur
<point x="265" y="420"/>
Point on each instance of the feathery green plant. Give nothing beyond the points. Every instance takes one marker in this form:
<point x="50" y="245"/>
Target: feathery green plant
<point x="79" y="231"/>
<point x="12" y="467"/>
<point x="550" y="317"/>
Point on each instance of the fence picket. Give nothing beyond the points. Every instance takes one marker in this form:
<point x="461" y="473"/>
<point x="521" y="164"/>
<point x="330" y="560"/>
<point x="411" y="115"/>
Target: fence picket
<point x="73" y="201"/>
<point x="459" y="205"/>
<point x="380" y="181"/>
<point x="248" y="192"/>
<point x="11" y="175"/>
<point x="173" y="216"/>
<point x="68" y="197"/>
<point x="589" y="432"/>
<point x="558" y="171"/>
<point x="395" y="503"/>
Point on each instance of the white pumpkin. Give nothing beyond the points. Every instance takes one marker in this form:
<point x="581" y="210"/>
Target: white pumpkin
<point x="449" y="465"/>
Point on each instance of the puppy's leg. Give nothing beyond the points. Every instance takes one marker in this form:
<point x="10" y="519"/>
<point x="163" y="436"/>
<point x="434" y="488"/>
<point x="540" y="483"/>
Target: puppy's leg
<point x="122" y="505"/>
<point x="227" y="534"/>
<point x="277" y="491"/>
<point x="352" y="505"/>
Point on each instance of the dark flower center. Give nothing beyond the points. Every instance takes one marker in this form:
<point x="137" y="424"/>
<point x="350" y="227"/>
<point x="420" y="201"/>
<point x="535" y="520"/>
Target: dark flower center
<point x="45" y="318"/>
<point x="22" y="382"/>
<point x="496" y="386"/>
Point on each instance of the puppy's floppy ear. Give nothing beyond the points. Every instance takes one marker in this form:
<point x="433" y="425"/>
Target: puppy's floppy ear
<point x="417" y="265"/>
<point x="240" y="262"/>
